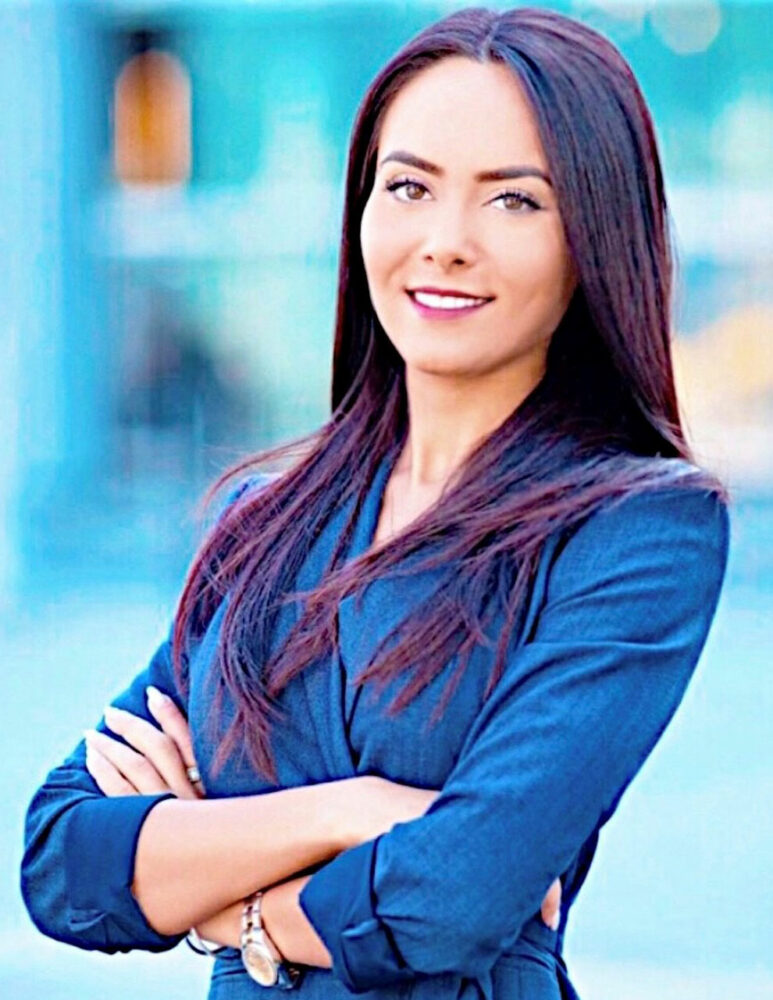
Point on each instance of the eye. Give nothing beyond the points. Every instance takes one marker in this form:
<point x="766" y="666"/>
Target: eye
<point x="406" y="184"/>
<point x="520" y="199"/>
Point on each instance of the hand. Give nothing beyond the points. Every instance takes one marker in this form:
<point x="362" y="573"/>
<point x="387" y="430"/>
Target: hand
<point x="160" y="756"/>
<point x="550" y="910"/>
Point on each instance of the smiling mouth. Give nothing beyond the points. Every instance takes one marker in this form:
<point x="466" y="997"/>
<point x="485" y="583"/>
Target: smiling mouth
<point x="446" y="300"/>
<point x="445" y="305"/>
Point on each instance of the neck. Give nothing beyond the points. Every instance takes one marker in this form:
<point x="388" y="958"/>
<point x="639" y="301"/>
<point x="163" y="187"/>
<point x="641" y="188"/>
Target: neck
<point x="449" y="417"/>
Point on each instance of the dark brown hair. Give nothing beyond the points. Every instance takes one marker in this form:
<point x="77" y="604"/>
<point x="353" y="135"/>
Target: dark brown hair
<point x="602" y="423"/>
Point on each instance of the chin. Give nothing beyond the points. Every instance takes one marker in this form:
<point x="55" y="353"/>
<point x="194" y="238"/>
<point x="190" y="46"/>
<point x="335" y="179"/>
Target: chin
<point x="443" y="365"/>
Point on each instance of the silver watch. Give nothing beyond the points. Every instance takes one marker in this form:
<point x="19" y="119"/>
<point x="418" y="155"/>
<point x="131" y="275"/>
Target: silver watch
<point x="257" y="956"/>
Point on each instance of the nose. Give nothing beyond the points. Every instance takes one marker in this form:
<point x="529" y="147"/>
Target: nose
<point x="448" y="242"/>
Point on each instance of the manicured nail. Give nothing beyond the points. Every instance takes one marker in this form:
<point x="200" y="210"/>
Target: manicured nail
<point x="156" y="698"/>
<point x="89" y="734"/>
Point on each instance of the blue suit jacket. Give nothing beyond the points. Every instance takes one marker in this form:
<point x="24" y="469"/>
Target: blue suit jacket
<point x="447" y="905"/>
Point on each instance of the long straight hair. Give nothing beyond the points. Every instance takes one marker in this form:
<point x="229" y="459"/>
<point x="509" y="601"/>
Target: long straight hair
<point x="603" y="422"/>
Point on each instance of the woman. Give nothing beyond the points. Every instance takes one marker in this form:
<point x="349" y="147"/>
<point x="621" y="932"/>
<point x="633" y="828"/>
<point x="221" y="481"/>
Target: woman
<point x="417" y="670"/>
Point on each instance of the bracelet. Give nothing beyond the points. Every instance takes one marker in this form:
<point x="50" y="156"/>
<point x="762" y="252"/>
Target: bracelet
<point x="196" y="943"/>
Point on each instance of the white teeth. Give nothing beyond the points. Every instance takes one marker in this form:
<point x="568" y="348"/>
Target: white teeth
<point x="445" y="301"/>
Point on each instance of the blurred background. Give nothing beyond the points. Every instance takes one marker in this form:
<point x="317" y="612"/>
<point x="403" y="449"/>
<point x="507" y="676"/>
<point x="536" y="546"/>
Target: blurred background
<point x="172" y="181"/>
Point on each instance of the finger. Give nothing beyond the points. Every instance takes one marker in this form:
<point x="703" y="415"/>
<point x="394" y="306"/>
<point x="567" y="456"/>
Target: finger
<point x="175" y="725"/>
<point x="173" y="722"/>
<point x="137" y="770"/>
<point x="154" y="746"/>
<point x="107" y="777"/>
<point x="551" y="905"/>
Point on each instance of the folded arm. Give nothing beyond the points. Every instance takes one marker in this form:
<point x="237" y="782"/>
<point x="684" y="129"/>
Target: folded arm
<point x="580" y="707"/>
<point x="81" y="846"/>
<point x="87" y="855"/>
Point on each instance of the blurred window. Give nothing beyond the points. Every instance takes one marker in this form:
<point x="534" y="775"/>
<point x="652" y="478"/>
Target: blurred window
<point x="152" y="123"/>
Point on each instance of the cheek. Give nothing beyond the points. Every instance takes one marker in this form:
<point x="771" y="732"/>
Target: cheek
<point x="380" y="242"/>
<point x="539" y="264"/>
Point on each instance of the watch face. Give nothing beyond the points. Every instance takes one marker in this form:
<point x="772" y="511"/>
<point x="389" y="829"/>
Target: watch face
<point x="260" y="966"/>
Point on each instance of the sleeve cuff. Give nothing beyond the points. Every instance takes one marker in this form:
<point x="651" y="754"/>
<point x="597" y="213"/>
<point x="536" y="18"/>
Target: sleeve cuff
<point x="99" y="855"/>
<point x="340" y="903"/>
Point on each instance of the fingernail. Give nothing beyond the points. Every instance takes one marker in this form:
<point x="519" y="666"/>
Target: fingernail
<point x="89" y="734"/>
<point x="156" y="697"/>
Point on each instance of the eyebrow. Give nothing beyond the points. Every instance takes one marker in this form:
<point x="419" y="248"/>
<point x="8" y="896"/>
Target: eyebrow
<point x="503" y="174"/>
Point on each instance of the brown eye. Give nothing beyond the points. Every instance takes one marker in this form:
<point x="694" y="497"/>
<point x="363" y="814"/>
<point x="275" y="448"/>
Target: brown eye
<point x="516" y="202"/>
<point x="408" y="186"/>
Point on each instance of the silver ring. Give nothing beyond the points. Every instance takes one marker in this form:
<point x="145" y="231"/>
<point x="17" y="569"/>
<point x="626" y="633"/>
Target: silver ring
<point x="193" y="774"/>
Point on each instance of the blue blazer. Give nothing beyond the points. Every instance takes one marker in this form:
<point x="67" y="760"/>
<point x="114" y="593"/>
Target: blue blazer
<point x="447" y="905"/>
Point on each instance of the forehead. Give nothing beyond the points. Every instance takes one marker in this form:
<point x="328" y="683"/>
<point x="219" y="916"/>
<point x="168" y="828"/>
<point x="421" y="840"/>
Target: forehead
<point x="464" y="116"/>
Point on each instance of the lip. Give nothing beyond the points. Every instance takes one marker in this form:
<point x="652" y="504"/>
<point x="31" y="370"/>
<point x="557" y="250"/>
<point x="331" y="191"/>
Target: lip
<point x="447" y="291"/>
<point x="428" y="312"/>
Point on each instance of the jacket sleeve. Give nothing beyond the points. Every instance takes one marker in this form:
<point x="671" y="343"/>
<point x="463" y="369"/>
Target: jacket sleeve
<point x="79" y="845"/>
<point x="78" y="862"/>
<point x="629" y="602"/>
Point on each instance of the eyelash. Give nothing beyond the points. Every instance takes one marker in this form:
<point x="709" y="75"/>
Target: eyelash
<point x="402" y="182"/>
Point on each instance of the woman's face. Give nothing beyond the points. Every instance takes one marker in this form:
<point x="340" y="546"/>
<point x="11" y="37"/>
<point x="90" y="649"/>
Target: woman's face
<point x="431" y="222"/>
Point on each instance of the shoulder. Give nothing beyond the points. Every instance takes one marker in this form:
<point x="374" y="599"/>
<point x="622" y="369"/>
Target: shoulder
<point x="246" y="486"/>
<point x="670" y="510"/>
<point x="254" y="482"/>
<point x="672" y="528"/>
<point x="674" y="502"/>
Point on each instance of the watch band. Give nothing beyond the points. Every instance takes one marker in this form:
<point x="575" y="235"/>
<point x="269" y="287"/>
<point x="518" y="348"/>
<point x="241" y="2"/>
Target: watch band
<point x="258" y="958"/>
<point x="197" y="943"/>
